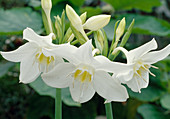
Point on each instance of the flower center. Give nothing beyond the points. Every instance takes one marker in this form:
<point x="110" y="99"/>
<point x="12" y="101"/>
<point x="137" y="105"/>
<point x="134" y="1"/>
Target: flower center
<point x="42" y="59"/>
<point x="84" y="74"/>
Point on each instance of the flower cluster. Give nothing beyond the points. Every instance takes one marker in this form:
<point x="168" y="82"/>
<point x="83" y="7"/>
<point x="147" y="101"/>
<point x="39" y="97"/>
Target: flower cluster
<point x="84" y="72"/>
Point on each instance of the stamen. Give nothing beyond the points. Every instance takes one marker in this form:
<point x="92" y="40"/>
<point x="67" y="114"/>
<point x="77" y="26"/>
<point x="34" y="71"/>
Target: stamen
<point x="154" y="67"/>
<point x="149" y="71"/>
<point x="140" y="77"/>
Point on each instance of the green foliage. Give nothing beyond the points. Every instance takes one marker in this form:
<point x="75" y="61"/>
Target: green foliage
<point x="4" y="67"/>
<point x="15" y="20"/>
<point x="165" y="101"/>
<point x="149" y="111"/>
<point x="143" y="25"/>
<point x="147" y="94"/>
<point x="77" y="2"/>
<point x="40" y="107"/>
<point x="42" y="89"/>
<point x="91" y="11"/>
<point x="144" y="5"/>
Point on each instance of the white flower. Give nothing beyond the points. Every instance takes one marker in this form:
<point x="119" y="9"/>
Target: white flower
<point x="86" y="74"/>
<point x="142" y="58"/>
<point x="33" y="60"/>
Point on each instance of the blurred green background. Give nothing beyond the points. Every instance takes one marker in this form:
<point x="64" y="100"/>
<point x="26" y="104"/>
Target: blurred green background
<point x="36" y="100"/>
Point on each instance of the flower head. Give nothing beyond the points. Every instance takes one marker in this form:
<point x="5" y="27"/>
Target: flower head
<point x="86" y="74"/>
<point x="33" y="60"/>
<point x="142" y="58"/>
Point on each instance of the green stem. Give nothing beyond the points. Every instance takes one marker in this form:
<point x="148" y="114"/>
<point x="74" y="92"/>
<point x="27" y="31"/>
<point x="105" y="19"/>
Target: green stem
<point x="74" y="42"/>
<point x="58" y="104"/>
<point x="108" y="107"/>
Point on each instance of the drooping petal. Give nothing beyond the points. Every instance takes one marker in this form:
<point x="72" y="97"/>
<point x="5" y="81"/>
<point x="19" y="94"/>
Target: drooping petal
<point x="65" y="51"/>
<point x="60" y="76"/>
<point x="138" y="52"/>
<point x="29" y="69"/>
<point x="18" y="54"/>
<point x="84" y="52"/>
<point x="103" y="63"/>
<point x="31" y="36"/>
<point x="81" y="92"/>
<point x="95" y="23"/>
<point x="126" y="53"/>
<point x="108" y="88"/>
<point x="139" y="81"/>
<point x="155" y="56"/>
<point x="124" y="76"/>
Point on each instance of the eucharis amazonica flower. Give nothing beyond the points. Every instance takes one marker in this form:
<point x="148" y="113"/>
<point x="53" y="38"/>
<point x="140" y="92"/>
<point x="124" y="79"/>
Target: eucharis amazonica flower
<point x="86" y="74"/>
<point x="94" y="23"/>
<point x="142" y="58"/>
<point x="33" y="60"/>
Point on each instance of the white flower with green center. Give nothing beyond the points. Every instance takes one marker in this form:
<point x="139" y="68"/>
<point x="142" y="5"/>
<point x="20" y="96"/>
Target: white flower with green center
<point x="142" y="59"/>
<point x="33" y="60"/>
<point x="86" y="74"/>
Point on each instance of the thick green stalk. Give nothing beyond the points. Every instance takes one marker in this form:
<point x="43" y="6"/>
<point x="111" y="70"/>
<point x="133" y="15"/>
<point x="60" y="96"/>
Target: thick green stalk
<point x="58" y="104"/>
<point x="108" y="108"/>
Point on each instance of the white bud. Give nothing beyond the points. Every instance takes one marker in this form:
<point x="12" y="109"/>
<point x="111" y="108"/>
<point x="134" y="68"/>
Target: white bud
<point x="97" y="22"/>
<point x="120" y="29"/>
<point x="46" y="5"/>
<point x="74" y="18"/>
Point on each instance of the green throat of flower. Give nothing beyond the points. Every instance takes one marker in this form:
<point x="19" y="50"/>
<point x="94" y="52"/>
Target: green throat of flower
<point x="42" y="59"/>
<point x="82" y="76"/>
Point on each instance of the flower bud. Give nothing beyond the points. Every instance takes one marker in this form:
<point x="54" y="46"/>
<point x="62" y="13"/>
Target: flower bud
<point x="73" y="17"/>
<point x="76" y="22"/>
<point x="97" y="22"/>
<point x="120" y="29"/>
<point x="46" y="5"/>
<point x="83" y="17"/>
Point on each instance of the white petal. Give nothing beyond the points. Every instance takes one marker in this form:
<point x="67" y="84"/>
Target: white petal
<point x="136" y="83"/>
<point x="108" y="88"/>
<point x="60" y="76"/>
<point x="29" y="70"/>
<point x="81" y="92"/>
<point x="129" y="56"/>
<point x="65" y="51"/>
<point x="95" y="23"/>
<point x="31" y="36"/>
<point x="138" y="52"/>
<point x="155" y="56"/>
<point x="18" y="54"/>
<point x="84" y="52"/>
<point x="124" y="76"/>
<point x="103" y="63"/>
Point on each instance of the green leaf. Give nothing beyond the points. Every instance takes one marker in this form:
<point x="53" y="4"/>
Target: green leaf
<point x="77" y="2"/>
<point x="91" y="11"/>
<point x="143" y="25"/>
<point x="147" y="94"/>
<point x="39" y="107"/>
<point x="165" y="101"/>
<point x="4" y="67"/>
<point x="42" y="89"/>
<point x="15" y="20"/>
<point x="149" y="111"/>
<point x="145" y="5"/>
